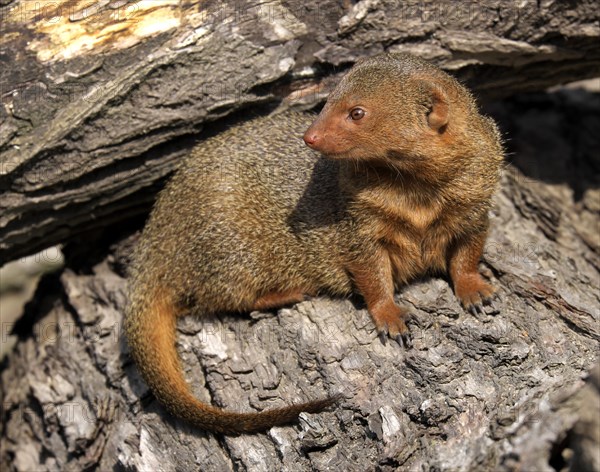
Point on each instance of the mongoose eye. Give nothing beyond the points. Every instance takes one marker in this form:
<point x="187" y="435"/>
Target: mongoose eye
<point x="357" y="113"/>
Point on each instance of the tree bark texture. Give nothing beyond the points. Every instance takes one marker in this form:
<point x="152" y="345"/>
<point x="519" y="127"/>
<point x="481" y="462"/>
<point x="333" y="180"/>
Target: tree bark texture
<point x="488" y="392"/>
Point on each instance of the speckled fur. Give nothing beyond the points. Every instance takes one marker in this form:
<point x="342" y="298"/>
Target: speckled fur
<point x="254" y="212"/>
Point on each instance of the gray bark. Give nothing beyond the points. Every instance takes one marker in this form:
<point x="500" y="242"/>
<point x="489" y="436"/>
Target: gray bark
<point x="503" y="392"/>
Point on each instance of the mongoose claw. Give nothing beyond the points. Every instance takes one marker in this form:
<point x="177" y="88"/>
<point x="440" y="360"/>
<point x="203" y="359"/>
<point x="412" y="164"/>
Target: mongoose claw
<point x="404" y="340"/>
<point x="477" y="296"/>
<point x="485" y="306"/>
<point x="491" y="304"/>
<point x="391" y="323"/>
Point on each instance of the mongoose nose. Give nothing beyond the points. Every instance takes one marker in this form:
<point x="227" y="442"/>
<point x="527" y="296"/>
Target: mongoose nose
<point x="311" y="138"/>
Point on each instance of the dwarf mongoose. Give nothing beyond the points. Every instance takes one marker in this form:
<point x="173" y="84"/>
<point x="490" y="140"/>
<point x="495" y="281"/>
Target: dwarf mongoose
<point x="255" y="219"/>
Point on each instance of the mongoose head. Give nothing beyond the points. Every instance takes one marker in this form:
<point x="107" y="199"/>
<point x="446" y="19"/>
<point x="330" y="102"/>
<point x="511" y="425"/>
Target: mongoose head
<point x="396" y="109"/>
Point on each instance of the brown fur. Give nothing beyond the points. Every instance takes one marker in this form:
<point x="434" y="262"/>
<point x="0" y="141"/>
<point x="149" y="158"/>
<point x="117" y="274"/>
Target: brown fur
<point x="254" y="219"/>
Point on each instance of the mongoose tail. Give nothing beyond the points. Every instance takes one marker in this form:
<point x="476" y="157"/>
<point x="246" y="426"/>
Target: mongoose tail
<point x="152" y="333"/>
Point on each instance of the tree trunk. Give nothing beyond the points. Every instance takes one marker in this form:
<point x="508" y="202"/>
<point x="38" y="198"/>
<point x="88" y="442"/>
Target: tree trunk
<point x="90" y="129"/>
<point x="97" y="109"/>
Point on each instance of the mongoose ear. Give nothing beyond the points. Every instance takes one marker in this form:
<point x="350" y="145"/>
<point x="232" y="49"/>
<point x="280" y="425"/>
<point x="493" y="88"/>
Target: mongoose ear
<point x="438" y="114"/>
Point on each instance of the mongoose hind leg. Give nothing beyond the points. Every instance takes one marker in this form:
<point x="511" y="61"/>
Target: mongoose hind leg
<point x="278" y="299"/>
<point x="374" y="280"/>
<point x="470" y="288"/>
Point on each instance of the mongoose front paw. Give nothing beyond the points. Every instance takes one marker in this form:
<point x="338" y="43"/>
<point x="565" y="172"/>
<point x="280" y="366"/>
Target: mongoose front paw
<point x="476" y="295"/>
<point x="391" y="322"/>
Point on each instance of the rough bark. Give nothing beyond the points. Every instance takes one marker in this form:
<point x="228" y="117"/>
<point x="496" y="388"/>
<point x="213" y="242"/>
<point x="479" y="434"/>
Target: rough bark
<point x="501" y="392"/>
<point x="101" y="98"/>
